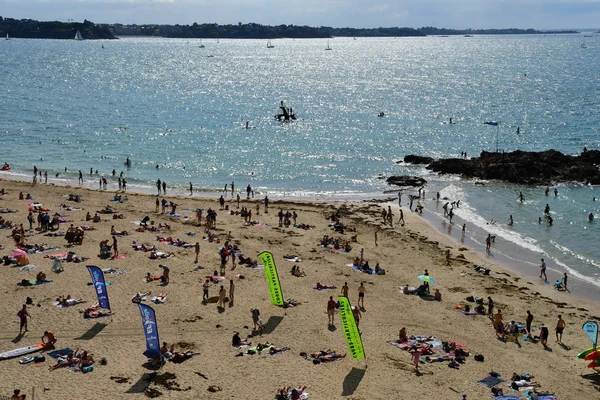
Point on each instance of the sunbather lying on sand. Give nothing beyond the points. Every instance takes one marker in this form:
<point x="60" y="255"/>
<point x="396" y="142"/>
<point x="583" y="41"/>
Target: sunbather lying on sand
<point x="68" y="301"/>
<point x="68" y="361"/>
<point x="523" y="383"/>
<point x="319" y="286"/>
<point x="155" y="255"/>
<point x="94" y="312"/>
<point x="139" y="297"/>
<point x="288" y="393"/>
<point x="142" y="247"/>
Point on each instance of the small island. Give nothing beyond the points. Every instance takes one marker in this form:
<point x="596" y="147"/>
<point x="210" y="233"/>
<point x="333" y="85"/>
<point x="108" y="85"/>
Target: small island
<point x="522" y="167"/>
<point x="31" y="29"/>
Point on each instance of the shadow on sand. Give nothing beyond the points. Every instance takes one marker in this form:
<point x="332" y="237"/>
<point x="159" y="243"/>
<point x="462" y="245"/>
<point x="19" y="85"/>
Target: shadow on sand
<point x="93" y="331"/>
<point x="352" y="380"/>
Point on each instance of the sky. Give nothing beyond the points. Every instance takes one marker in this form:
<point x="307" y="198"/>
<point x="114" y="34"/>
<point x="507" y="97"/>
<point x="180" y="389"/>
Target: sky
<point x="456" y="14"/>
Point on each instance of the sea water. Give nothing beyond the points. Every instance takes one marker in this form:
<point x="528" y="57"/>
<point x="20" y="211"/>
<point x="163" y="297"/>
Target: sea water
<point x="75" y="105"/>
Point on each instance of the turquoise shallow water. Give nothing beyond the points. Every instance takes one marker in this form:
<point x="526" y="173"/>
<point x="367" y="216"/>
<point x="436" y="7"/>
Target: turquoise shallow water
<point x="169" y="102"/>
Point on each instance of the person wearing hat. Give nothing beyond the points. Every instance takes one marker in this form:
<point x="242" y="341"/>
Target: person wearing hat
<point x="543" y="270"/>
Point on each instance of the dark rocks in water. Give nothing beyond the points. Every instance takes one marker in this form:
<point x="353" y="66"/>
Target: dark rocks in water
<point x="536" y="168"/>
<point x="406" y="180"/>
<point x="412" y="159"/>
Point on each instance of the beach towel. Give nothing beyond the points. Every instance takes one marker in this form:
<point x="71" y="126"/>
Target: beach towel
<point x="490" y="381"/>
<point x="402" y="346"/>
<point x="507" y="397"/>
<point x="28" y="267"/>
<point x="256" y="266"/>
<point x="32" y="282"/>
<point x="99" y="316"/>
<point x="114" y="271"/>
<point x="57" y="255"/>
<point x="370" y="271"/>
<point x="294" y="259"/>
<point x="60" y="353"/>
<point x="541" y="396"/>
<point x="119" y="257"/>
<point x="468" y="313"/>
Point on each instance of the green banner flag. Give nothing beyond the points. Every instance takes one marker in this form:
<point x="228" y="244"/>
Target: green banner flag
<point x="272" y="278"/>
<point x="350" y="329"/>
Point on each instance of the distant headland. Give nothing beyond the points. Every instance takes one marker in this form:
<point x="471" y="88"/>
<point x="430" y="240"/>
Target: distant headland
<point x="31" y="29"/>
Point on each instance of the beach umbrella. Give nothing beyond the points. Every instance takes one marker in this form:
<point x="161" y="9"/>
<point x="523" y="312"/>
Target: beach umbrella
<point x="426" y="278"/>
<point x="594" y="355"/>
<point x="19" y="252"/>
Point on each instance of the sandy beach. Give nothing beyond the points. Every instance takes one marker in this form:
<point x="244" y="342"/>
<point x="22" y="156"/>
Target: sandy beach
<point x="215" y="372"/>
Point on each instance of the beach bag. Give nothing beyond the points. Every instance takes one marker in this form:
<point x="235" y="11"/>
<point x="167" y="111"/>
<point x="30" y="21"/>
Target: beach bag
<point x="470" y="298"/>
<point x="467" y="308"/>
<point x="479" y="357"/>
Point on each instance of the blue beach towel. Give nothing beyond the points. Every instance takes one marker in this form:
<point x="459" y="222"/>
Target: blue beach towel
<point x="507" y="397"/>
<point x="490" y="381"/>
<point x="62" y="353"/>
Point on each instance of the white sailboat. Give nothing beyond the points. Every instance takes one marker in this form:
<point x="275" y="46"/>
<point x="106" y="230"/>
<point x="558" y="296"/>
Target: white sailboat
<point x="328" y="46"/>
<point x="201" y="45"/>
<point x="78" y="36"/>
<point x="7" y="38"/>
<point x="269" y="45"/>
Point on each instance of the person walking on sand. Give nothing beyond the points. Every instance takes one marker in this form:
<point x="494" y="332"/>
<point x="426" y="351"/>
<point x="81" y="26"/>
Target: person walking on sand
<point x="256" y="320"/>
<point x="80" y="177"/>
<point x="266" y="205"/>
<point x="222" y="295"/>
<point x="345" y="290"/>
<point x="401" y="219"/>
<point x="565" y="280"/>
<point x="490" y="306"/>
<point x="231" y="290"/>
<point x="23" y="315"/>
<point x="357" y="315"/>
<point x="205" y="287"/>
<point x="415" y="359"/>
<point x="157" y="203"/>
<point x="488" y="242"/>
<point x="191" y="189"/>
<point x="115" y="248"/>
<point x="528" y="322"/>
<point x="197" y="249"/>
<point x="330" y="310"/>
<point x="560" y="327"/>
<point x="375" y="238"/>
<point x="543" y="270"/>
<point x="544" y="335"/>
<point x="361" y="295"/>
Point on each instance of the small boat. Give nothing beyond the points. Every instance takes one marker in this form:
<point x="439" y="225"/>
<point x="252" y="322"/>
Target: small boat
<point x="328" y="46"/>
<point x="269" y="45"/>
<point x="78" y="36"/>
<point x="468" y="36"/>
<point x="7" y="38"/>
<point x="201" y="45"/>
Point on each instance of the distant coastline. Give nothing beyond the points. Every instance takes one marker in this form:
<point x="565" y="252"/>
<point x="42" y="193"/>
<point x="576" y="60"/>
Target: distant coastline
<point x="31" y="29"/>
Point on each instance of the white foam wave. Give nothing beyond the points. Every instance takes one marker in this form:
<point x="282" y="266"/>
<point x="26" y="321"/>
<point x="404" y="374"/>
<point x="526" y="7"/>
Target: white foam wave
<point x="571" y="271"/>
<point x="574" y="254"/>
<point x="470" y="215"/>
